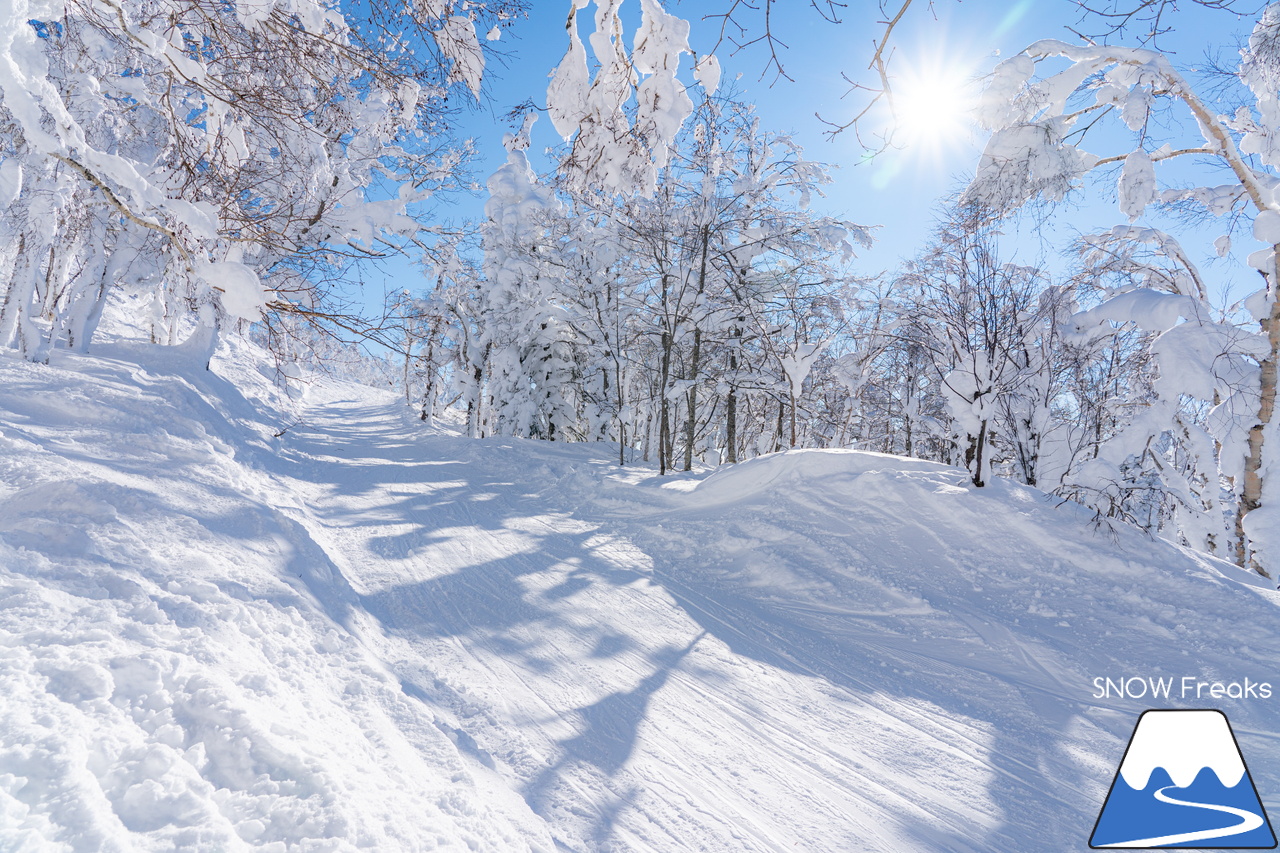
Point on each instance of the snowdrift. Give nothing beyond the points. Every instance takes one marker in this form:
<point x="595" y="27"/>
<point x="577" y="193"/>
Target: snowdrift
<point x="366" y="634"/>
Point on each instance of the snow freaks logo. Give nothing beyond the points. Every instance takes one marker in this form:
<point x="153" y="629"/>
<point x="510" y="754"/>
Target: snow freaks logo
<point x="1183" y="783"/>
<point x="1185" y="687"/>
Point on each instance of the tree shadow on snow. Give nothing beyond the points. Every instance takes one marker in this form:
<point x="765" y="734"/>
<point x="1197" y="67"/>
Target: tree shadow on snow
<point x="608" y="737"/>
<point x="1045" y="799"/>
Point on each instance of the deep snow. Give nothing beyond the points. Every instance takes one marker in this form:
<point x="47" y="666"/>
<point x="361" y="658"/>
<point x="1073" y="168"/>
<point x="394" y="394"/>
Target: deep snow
<point x="366" y="633"/>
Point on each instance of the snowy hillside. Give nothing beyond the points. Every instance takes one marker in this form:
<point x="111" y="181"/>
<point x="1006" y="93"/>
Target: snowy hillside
<point x="369" y="634"/>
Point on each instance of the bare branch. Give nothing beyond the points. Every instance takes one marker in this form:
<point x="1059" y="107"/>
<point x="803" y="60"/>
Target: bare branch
<point x="1143" y="20"/>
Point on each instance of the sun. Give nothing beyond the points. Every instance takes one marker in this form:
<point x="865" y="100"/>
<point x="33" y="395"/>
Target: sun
<point x="932" y="106"/>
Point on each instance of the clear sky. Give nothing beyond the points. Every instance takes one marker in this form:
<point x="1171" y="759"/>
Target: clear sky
<point x="940" y="52"/>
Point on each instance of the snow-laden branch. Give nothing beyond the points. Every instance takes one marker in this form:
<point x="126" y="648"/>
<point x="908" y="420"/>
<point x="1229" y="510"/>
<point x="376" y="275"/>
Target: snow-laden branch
<point x="621" y="124"/>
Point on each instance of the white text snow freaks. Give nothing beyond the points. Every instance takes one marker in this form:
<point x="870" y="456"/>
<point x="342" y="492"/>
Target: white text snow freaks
<point x="1186" y="687"/>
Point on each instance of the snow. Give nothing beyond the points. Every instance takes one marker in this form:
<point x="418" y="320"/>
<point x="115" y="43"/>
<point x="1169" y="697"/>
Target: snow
<point x="797" y="365"/>
<point x="1263" y="260"/>
<point x="1138" y="186"/>
<point x="567" y="92"/>
<point x="707" y="72"/>
<point x="1024" y="160"/>
<point x="365" y="633"/>
<point x="998" y="107"/>
<point x="1258" y="304"/>
<point x="458" y="42"/>
<point x="1150" y="310"/>
<point x="239" y="289"/>
<point x="10" y="181"/>
<point x="1266" y="228"/>
<point x="617" y="147"/>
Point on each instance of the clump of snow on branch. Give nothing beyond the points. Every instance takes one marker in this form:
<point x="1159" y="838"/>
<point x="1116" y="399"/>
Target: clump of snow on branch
<point x="1137" y="187"/>
<point x="707" y="73"/>
<point x="622" y="123"/>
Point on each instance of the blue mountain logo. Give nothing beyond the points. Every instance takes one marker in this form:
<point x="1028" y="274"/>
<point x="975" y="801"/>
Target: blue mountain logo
<point x="1183" y="783"/>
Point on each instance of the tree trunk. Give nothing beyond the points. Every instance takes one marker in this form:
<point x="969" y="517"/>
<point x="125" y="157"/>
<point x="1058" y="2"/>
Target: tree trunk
<point x="908" y="448"/>
<point x="428" y="411"/>
<point x="691" y="424"/>
<point x="408" y="360"/>
<point x="664" y="412"/>
<point x="690" y="432"/>
<point x="646" y="446"/>
<point x="731" y="426"/>
<point x="979" y="456"/>
<point x="1251" y="498"/>
<point x="475" y="414"/>
<point x="782" y="413"/>
<point x="731" y="404"/>
<point x="793" y="420"/>
<point x="622" y="423"/>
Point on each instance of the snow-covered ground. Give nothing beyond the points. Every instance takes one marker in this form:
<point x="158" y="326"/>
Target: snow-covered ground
<point x="366" y="633"/>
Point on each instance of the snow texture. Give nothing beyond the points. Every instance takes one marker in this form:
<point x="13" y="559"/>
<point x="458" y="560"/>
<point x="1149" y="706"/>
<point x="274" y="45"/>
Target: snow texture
<point x="798" y="364"/>
<point x="567" y="92"/>
<point x="458" y="42"/>
<point x="10" y="181"/>
<point x="1149" y="310"/>
<point x="363" y="634"/>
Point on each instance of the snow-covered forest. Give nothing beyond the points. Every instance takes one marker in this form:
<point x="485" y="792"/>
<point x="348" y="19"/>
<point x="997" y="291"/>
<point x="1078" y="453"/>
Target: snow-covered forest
<point x="642" y="514"/>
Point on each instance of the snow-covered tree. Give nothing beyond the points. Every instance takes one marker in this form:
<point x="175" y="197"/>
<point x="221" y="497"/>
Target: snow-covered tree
<point x="1040" y="116"/>
<point x="213" y="154"/>
<point x="1200" y="397"/>
<point x="433" y="333"/>
<point x="525" y="335"/>
<point x="728" y="254"/>
<point x="989" y="329"/>
<point x="655" y="318"/>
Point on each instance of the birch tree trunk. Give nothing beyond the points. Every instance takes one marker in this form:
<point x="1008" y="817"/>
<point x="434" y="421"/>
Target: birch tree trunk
<point x="1251" y="498"/>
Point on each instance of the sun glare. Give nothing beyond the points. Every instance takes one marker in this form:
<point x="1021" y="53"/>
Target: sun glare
<point x="931" y="107"/>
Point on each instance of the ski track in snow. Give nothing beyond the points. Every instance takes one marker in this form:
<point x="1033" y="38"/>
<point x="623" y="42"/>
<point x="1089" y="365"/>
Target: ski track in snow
<point x="371" y="634"/>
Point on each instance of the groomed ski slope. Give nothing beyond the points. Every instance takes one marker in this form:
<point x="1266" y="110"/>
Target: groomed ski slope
<point x="369" y="634"/>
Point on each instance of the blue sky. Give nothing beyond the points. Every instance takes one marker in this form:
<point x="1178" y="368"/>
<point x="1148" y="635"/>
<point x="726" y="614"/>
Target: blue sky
<point x="900" y="190"/>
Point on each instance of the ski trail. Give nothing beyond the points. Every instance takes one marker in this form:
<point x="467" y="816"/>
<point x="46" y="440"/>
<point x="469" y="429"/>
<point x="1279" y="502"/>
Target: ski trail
<point x="649" y="670"/>
<point x="1249" y="822"/>
<point x="496" y="597"/>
